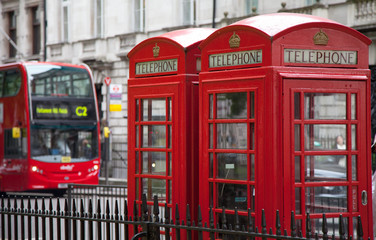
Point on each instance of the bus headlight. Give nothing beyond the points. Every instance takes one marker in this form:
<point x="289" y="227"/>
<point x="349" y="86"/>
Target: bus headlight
<point x="34" y="168"/>
<point x="96" y="167"/>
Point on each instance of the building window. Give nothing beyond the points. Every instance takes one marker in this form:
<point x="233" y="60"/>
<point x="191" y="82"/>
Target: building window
<point x="12" y="33"/>
<point x="139" y="15"/>
<point x="189" y="12"/>
<point x="250" y="5"/>
<point x="98" y="15"/>
<point x="36" y="30"/>
<point x="65" y="20"/>
<point x="310" y="2"/>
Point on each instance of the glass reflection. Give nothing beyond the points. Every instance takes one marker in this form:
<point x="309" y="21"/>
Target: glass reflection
<point x="152" y="187"/>
<point x="325" y="136"/>
<point x="232" y="166"/>
<point x="323" y="168"/>
<point x="324" y="105"/>
<point x="232" y="135"/>
<point x="154" y="109"/>
<point x="326" y="199"/>
<point x="154" y="136"/>
<point x="232" y="105"/>
<point x="231" y="196"/>
<point x="154" y="163"/>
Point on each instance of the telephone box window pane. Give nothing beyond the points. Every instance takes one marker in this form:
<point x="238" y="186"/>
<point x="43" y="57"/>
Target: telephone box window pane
<point x="297" y="108"/>
<point x="354" y="167"/>
<point x="154" y="136"/>
<point x="137" y="136"/>
<point x="252" y="105"/>
<point x="298" y="201"/>
<point x="252" y="159"/>
<point x="170" y="164"/>
<point x="252" y="136"/>
<point x="152" y="187"/>
<point x="169" y="109"/>
<point x="324" y="168"/>
<point x="232" y="105"/>
<point x="169" y="135"/>
<point x="253" y="195"/>
<point x="353" y="106"/>
<point x="326" y="199"/>
<point x="353" y="137"/>
<point x="211" y="106"/>
<point x="232" y="166"/>
<point x="297" y="169"/>
<point x="154" y="163"/>
<point x="137" y="188"/>
<point x="169" y="191"/>
<point x="137" y="105"/>
<point x="232" y="136"/>
<point x="211" y="194"/>
<point x="231" y="196"/>
<point x="154" y="110"/>
<point x="325" y="105"/>
<point x="210" y="165"/>
<point x="325" y="136"/>
<point x="297" y="137"/>
<point x="211" y="137"/>
<point x="137" y="162"/>
<point x="354" y="198"/>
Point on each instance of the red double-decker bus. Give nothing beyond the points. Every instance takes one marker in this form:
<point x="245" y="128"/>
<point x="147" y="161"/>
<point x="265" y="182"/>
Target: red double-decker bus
<point x="49" y="128"/>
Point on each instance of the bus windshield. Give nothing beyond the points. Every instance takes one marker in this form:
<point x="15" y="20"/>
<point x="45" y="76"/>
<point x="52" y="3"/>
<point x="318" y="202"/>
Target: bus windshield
<point x="63" y="144"/>
<point x="55" y="80"/>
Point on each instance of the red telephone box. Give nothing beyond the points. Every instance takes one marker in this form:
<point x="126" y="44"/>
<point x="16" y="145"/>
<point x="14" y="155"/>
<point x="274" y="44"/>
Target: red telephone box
<point x="285" y="122"/>
<point x="163" y="119"/>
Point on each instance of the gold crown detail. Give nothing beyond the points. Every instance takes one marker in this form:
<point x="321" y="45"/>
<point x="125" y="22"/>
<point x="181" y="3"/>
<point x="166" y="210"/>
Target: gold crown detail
<point x="320" y="38"/>
<point x="156" y="50"/>
<point x="234" y="41"/>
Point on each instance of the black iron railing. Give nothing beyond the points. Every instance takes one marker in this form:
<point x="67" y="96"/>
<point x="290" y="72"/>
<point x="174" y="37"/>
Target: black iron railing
<point x="25" y="219"/>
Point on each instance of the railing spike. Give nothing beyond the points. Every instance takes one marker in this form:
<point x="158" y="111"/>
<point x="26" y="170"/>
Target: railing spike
<point x="293" y="225"/>
<point x="135" y="211"/>
<point x="278" y="224"/>
<point x="199" y="217"/>
<point x="189" y="223"/>
<point x="167" y="214"/>
<point x="308" y="227"/>
<point x="144" y="208"/>
<point x="263" y="222"/>
<point x="224" y="219"/>
<point x="237" y="221"/>
<point x="360" y="229"/>
<point x="250" y="222"/>
<point x="125" y="210"/>
<point x="156" y="209"/>
<point x="99" y="211"/>
<point x="341" y="228"/>
<point x="324" y="227"/>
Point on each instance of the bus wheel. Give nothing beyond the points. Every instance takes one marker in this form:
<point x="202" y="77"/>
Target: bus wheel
<point x="59" y="193"/>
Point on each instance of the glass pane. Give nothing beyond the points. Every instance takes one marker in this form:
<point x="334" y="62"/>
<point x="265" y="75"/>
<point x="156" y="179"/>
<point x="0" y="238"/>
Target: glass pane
<point x="169" y="191"/>
<point x="297" y="137"/>
<point x="170" y="164"/>
<point x="354" y="198"/>
<point x="137" y="106"/>
<point x="154" y="136"/>
<point x="298" y="201"/>
<point x="211" y="137"/>
<point x="252" y="136"/>
<point x="232" y="135"/>
<point x="297" y="169"/>
<point x="211" y="194"/>
<point x="353" y="106"/>
<point x="154" y="163"/>
<point x="252" y="159"/>
<point x="169" y="136"/>
<point x="154" y="109"/>
<point x="211" y="165"/>
<point x="169" y="109"/>
<point x="326" y="199"/>
<point x="154" y="187"/>
<point x="325" y="136"/>
<point x="297" y="108"/>
<point x="353" y="137"/>
<point x="232" y="166"/>
<point x="137" y="136"/>
<point x="137" y="189"/>
<point x="137" y="161"/>
<point x="325" y="168"/>
<point x="325" y="105"/>
<point x="354" y="167"/>
<point x="211" y="106"/>
<point x="232" y="105"/>
<point x="333" y="224"/>
<point x="252" y="105"/>
<point x="231" y="196"/>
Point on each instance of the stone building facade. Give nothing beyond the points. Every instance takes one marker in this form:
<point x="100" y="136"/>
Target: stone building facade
<point x="100" y="33"/>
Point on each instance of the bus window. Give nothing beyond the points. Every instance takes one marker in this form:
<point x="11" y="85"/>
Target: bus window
<point x="12" y="82"/>
<point x="1" y="83"/>
<point x="14" y="147"/>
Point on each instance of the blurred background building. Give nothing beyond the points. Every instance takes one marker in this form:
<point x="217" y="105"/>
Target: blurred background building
<point x="100" y="33"/>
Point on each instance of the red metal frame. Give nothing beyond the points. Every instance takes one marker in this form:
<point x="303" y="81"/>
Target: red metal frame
<point x="22" y="178"/>
<point x="277" y="77"/>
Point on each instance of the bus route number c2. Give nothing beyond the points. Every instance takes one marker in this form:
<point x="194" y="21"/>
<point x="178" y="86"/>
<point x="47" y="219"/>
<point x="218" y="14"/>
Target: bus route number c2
<point x="81" y="111"/>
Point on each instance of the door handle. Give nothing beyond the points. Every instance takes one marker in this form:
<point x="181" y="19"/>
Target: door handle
<point x="364" y="198"/>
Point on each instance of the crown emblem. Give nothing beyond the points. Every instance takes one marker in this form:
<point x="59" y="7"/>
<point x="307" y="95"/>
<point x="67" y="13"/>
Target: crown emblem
<point x="320" y="38"/>
<point x="234" y="41"/>
<point x="156" y="50"/>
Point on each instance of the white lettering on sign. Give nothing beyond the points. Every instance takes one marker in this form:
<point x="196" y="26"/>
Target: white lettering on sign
<point x="312" y="56"/>
<point x="161" y="66"/>
<point x="235" y="58"/>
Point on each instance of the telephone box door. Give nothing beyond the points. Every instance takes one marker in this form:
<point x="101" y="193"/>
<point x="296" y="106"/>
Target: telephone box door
<point x="326" y="158"/>
<point x="232" y="125"/>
